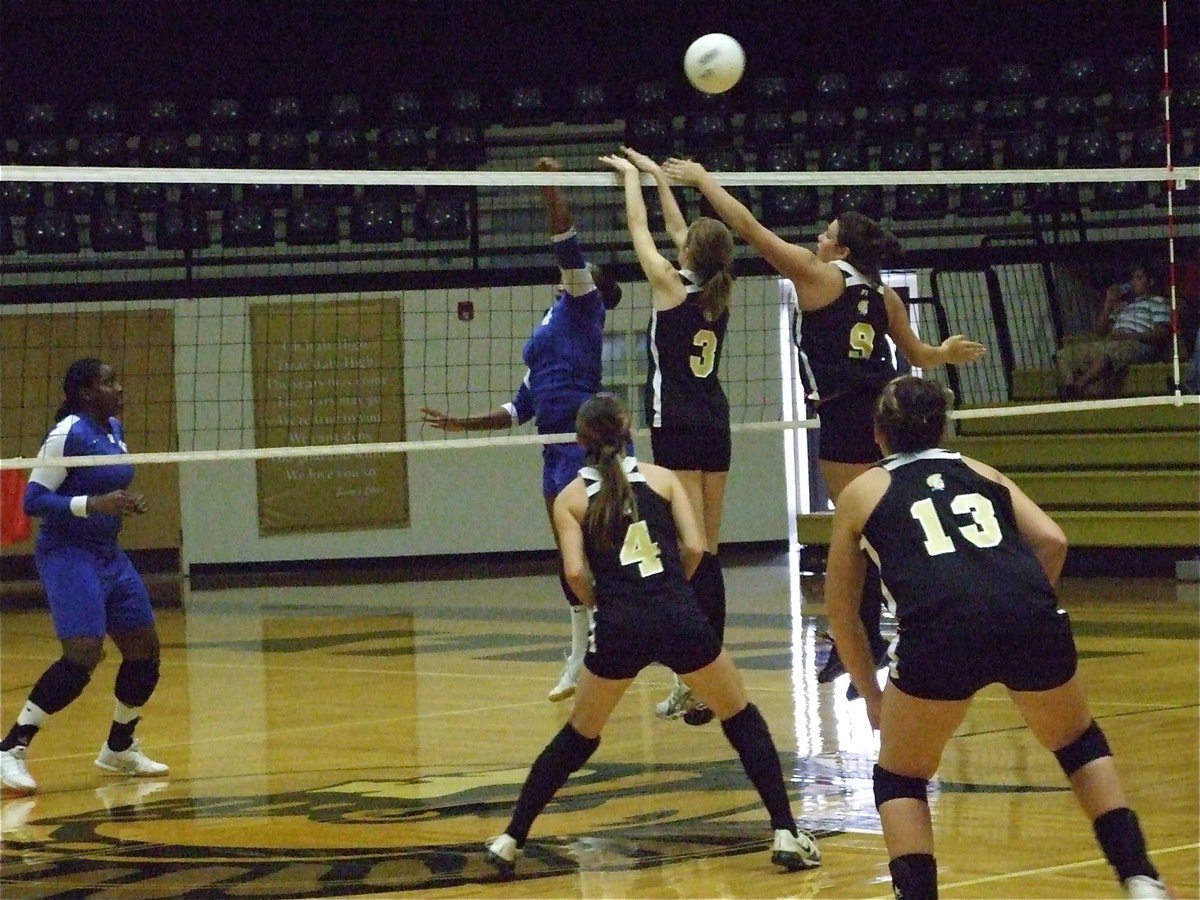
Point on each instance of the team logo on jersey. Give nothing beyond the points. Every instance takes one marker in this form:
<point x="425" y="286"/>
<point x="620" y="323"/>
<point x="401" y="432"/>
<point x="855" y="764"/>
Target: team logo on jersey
<point x="935" y="482"/>
<point x="863" y="306"/>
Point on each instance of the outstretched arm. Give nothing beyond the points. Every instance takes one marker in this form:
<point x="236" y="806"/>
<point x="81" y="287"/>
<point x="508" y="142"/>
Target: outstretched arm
<point x="817" y="284"/>
<point x="955" y="350"/>
<point x="558" y="214"/>
<point x="657" y="269"/>
<point x="497" y="418"/>
<point x="672" y="216"/>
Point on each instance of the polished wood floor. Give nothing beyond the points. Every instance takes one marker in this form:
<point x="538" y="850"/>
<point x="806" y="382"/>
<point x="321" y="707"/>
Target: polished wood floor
<point x="364" y="740"/>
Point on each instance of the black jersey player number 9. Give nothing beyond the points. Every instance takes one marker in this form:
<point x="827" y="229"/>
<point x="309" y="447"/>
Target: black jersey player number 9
<point x="984" y="530"/>
<point x="702" y="365"/>
<point x="862" y="340"/>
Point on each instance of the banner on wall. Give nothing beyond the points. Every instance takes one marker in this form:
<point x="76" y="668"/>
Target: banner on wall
<point x="329" y="373"/>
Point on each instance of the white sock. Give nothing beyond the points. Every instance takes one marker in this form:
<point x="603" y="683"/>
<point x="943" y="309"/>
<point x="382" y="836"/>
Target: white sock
<point x="581" y="623"/>
<point x="123" y="714"/>
<point x="32" y="714"/>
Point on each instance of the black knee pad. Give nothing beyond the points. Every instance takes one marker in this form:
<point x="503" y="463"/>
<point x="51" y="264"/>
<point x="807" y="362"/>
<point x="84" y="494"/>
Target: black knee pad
<point x="136" y="679"/>
<point x="708" y="584"/>
<point x="572" y="747"/>
<point x="890" y="786"/>
<point x="59" y="685"/>
<point x="1090" y="745"/>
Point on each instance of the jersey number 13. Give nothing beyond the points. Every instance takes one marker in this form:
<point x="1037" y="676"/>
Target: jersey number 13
<point x="982" y="531"/>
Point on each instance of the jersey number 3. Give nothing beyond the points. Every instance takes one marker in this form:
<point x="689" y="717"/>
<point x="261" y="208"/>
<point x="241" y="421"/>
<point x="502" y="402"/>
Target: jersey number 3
<point x="984" y="530"/>
<point x="702" y="365"/>
<point x="638" y="548"/>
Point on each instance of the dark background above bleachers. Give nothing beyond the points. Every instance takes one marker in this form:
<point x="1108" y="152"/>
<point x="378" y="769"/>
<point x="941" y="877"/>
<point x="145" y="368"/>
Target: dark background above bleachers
<point x="131" y="51"/>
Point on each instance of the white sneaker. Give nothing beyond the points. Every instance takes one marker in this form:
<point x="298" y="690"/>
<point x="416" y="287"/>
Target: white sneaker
<point x="795" y="851"/>
<point x="1143" y="887"/>
<point x="13" y="771"/>
<point x="129" y="762"/>
<point x="567" y="681"/>
<point x="679" y="701"/>
<point x="502" y="853"/>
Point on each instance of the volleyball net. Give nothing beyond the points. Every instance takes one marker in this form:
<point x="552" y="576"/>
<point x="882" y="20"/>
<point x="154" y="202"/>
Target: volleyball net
<point x="255" y="313"/>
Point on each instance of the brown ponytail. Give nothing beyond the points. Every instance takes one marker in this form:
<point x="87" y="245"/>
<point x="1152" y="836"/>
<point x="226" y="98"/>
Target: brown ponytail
<point x="602" y="426"/>
<point x="710" y="247"/>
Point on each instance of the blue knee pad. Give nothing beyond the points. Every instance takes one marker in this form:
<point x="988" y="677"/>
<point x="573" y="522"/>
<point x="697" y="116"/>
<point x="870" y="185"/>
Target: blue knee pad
<point x="1089" y="746"/>
<point x="136" y="680"/>
<point x="890" y="786"/>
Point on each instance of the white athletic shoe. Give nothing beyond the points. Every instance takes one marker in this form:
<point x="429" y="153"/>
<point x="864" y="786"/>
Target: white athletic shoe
<point x="679" y="701"/>
<point x="795" y="851"/>
<point x="502" y="852"/>
<point x="567" y="681"/>
<point x="129" y="762"/>
<point x="13" y="771"/>
<point x="1143" y="887"/>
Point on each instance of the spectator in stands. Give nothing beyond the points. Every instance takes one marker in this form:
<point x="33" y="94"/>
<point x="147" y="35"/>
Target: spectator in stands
<point x="1132" y="328"/>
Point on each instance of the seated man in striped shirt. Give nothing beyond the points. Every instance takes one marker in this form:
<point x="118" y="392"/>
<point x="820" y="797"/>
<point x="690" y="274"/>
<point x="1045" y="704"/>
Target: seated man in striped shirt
<point x="1132" y="328"/>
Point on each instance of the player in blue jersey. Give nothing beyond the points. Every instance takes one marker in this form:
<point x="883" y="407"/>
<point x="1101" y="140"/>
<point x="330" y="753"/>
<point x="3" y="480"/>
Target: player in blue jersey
<point x="564" y="369"/>
<point x="686" y="407"/>
<point x="91" y="586"/>
<point x="843" y="313"/>
<point x="629" y="543"/>
<point x="968" y="563"/>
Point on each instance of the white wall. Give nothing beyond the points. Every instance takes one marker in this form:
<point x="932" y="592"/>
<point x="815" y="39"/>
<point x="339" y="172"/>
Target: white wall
<point x="473" y="500"/>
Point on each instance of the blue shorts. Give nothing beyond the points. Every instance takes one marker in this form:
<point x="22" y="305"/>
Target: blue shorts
<point x="560" y="466"/>
<point x="92" y="592"/>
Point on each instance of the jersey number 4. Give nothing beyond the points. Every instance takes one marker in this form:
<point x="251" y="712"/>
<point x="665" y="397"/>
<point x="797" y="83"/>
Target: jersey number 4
<point x="639" y="548"/>
<point x="983" y="530"/>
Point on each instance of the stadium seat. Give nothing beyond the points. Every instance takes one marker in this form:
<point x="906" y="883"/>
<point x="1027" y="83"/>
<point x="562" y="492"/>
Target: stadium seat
<point x="402" y="147"/>
<point x="651" y="97"/>
<point x="114" y="230"/>
<point x="589" y="104"/>
<point x="953" y="82"/>
<point x="846" y="155"/>
<point x="21" y="198"/>
<point x="247" y="225"/>
<point x="442" y="215"/>
<point x="1003" y="116"/>
<point x="829" y="124"/>
<point x="181" y="228"/>
<point x="104" y="150"/>
<point x="887" y="119"/>
<point x="140" y="196"/>
<point x="101" y="117"/>
<point x="904" y="154"/>
<point x="652" y="135"/>
<point x="164" y="150"/>
<point x="1072" y="111"/>
<point x="772" y="93"/>
<point x="465" y="106"/>
<point x="52" y="231"/>
<point x="310" y="223"/>
<point x="406" y="108"/>
<point x="864" y="198"/>
<point x="921" y="201"/>
<point x="224" y="140"/>
<point x="459" y="146"/>
<point x="7" y="243"/>
<point x="210" y="196"/>
<point x="284" y="148"/>
<point x="527" y="105"/>
<point x="46" y="150"/>
<point x="342" y="147"/>
<point x="768" y="128"/>
<point x="376" y="222"/>
<point x="950" y="118"/>
<point x="1134" y="108"/>
<point x="40" y="120"/>
<point x="707" y="131"/>
<point x="79" y="196"/>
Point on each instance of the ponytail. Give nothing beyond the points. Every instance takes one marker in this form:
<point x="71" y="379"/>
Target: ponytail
<point x="602" y="427"/>
<point x="710" y="247"/>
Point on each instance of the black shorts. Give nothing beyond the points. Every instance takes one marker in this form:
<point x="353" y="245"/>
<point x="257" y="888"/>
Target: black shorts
<point x="688" y="451"/>
<point x="669" y="631"/>
<point x="1036" y="653"/>
<point x="847" y="432"/>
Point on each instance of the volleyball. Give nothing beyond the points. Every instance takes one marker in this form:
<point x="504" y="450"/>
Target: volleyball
<point x="714" y="63"/>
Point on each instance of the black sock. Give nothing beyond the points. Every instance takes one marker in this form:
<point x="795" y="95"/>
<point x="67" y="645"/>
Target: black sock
<point x="18" y="735"/>
<point x="120" y="735"/>
<point x="750" y="737"/>
<point x="914" y="877"/>
<point x="1123" y="843"/>
<point x="563" y="755"/>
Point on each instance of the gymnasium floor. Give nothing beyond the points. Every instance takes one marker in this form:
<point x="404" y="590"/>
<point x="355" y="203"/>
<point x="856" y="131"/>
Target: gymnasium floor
<point x="364" y="740"/>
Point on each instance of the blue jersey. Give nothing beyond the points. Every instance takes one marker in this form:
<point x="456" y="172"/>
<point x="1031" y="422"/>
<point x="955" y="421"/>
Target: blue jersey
<point x="58" y="495"/>
<point x="563" y="353"/>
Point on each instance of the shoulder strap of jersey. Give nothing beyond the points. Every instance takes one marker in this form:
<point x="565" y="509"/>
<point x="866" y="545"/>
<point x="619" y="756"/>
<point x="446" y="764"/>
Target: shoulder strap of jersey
<point x="591" y="475"/>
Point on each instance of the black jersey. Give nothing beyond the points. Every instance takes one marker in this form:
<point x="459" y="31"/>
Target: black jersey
<point x="683" y="386"/>
<point x="843" y="346"/>
<point x="946" y="542"/>
<point x="643" y="563"/>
